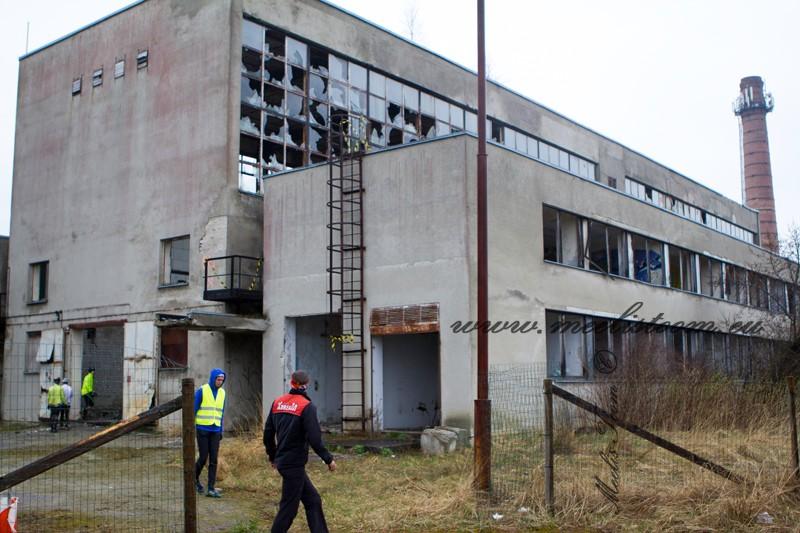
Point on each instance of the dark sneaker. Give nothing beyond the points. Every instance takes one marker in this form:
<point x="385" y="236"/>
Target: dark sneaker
<point x="213" y="493"/>
<point x="199" y="487"/>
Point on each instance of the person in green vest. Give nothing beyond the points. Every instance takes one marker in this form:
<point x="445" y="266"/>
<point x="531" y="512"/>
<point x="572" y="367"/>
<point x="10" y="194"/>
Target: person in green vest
<point x="55" y="402"/>
<point x="209" y="408"/>
<point x="87" y="392"/>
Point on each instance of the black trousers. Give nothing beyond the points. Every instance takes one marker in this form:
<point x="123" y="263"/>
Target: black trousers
<point x="86" y="403"/>
<point x="55" y="411"/>
<point x="208" y="445"/>
<point x="63" y="418"/>
<point x="296" y="488"/>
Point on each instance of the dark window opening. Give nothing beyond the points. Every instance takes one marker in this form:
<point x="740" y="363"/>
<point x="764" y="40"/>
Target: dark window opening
<point x="318" y="61"/>
<point x="274" y="71"/>
<point x="550" y="225"/>
<point x="174" y="348"/>
<point x="142" y="59"/>
<point x="275" y="43"/>
<point x="251" y="62"/>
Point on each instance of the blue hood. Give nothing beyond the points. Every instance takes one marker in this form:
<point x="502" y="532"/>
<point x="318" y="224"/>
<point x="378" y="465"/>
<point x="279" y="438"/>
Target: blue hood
<point x="213" y="377"/>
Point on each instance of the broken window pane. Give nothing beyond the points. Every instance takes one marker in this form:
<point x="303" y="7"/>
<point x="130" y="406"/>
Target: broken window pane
<point x="550" y="233"/>
<point x="275" y="127"/>
<point x="377" y="108"/>
<point x="251" y="62"/>
<point x="274" y="71"/>
<point x="295" y="133"/>
<point x="338" y="94"/>
<point x="251" y="91"/>
<point x="777" y="296"/>
<point x="675" y="267"/>
<point x="377" y="84"/>
<point x="428" y="127"/>
<point x="318" y="87"/>
<point x="471" y="122"/>
<point x="410" y="98"/>
<point x="376" y="135"/>
<point x="318" y="140"/>
<point x="275" y="43"/>
<point x="395" y="137"/>
<point x="318" y="61"/>
<point x="442" y="128"/>
<point x="597" y="253"/>
<point x="358" y="76"/>
<point x="410" y="121"/>
<point x="394" y="115"/>
<point x="409" y="138"/>
<point x="655" y="252"/>
<point x="337" y="68"/>
<point x="297" y="79"/>
<point x="295" y="106"/>
<point x="272" y="155"/>
<point x="456" y="117"/>
<point x="496" y="131"/>
<point x="426" y="104"/>
<point x="688" y="271"/>
<point x="318" y="113"/>
<point x="294" y="158"/>
<point x="570" y="243"/>
<point x="358" y="101"/>
<point x="640" y="268"/>
<point x="248" y="148"/>
<point x="274" y="98"/>
<point x="296" y="52"/>
<point x="250" y="120"/>
<point x="252" y="35"/>
<point x="617" y="252"/>
<point x="394" y="91"/>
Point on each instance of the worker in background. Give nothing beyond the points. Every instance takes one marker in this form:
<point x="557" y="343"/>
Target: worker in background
<point x="87" y="392"/>
<point x="209" y="409"/>
<point x="293" y="422"/>
<point x="64" y="418"/>
<point x="55" y="401"/>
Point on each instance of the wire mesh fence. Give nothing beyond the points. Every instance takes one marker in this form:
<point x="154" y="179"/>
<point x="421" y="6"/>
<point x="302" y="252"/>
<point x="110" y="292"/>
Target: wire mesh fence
<point x="56" y="395"/>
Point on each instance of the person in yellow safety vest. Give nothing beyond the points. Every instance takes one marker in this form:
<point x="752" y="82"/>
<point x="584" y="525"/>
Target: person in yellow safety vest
<point x="209" y="408"/>
<point x="55" y="402"/>
<point x="87" y="392"/>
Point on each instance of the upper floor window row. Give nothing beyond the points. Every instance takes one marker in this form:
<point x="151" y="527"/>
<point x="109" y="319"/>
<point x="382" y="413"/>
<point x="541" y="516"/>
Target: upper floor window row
<point x="295" y="95"/>
<point x="580" y="242"/>
<point x="683" y="209"/>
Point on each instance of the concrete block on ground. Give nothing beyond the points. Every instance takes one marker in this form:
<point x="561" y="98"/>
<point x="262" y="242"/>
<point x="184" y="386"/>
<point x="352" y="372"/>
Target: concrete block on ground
<point x="438" y="441"/>
<point x="461" y="433"/>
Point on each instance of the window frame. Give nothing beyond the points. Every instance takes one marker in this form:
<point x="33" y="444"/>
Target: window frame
<point x="166" y="270"/>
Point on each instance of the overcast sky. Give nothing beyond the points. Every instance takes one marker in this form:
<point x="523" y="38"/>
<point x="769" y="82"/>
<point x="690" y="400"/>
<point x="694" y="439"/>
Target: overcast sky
<point x="657" y="76"/>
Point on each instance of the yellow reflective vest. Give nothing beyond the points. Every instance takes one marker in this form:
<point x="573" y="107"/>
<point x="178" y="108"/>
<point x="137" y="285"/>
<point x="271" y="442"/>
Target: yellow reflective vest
<point x="88" y="384"/>
<point x="210" y="411"/>
<point x="55" y="396"/>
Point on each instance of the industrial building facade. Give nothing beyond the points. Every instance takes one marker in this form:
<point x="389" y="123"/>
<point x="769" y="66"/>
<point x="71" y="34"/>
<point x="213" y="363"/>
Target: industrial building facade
<point x="204" y="209"/>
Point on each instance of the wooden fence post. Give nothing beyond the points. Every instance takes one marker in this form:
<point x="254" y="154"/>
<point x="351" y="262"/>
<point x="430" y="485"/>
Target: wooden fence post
<point x="548" y="447"/>
<point x="187" y="434"/>
<point x="793" y="428"/>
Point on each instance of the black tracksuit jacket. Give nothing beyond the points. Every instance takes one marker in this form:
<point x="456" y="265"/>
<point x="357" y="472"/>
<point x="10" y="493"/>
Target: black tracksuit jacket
<point x="291" y="427"/>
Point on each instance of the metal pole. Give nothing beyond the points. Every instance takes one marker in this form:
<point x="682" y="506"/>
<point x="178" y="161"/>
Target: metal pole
<point x="483" y="406"/>
<point x="187" y="422"/>
<point x="548" y="447"/>
<point x="793" y="428"/>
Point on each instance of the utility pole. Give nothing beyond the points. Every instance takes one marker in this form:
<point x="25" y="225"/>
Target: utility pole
<point x="483" y="406"/>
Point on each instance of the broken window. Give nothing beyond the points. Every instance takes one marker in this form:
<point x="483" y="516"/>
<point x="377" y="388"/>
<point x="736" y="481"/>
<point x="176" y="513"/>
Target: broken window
<point x="295" y="134"/>
<point x="597" y="249"/>
<point x="274" y="71"/>
<point x="655" y="250"/>
<point x="275" y="127"/>
<point x="711" y="277"/>
<point x="97" y="77"/>
<point x="249" y="180"/>
<point x="393" y="113"/>
<point x="410" y="119"/>
<point x="295" y="106"/>
<point x="777" y="296"/>
<point x="338" y="94"/>
<point x="550" y="233"/>
<point x="76" y="86"/>
<point x="250" y="120"/>
<point x="442" y="128"/>
<point x="32" y="365"/>
<point x="119" y="68"/>
<point x="566" y="345"/>
<point x="297" y="79"/>
<point x="617" y="252"/>
<point x="37" y="287"/>
<point x="337" y="68"/>
<point x="175" y="261"/>
<point x="428" y="127"/>
<point x="681" y="269"/>
<point x="251" y="92"/>
<point x="142" y="59"/>
<point x="174" y="348"/>
<point x="318" y="113"/>
<point x="296" y="52"/>
<point x="251" y="63"/>
<point x="376" y="136"/>
<point x="274" y="98"/>
<point x="294" y="158"/>
<point x="252" y="35"/>
<point x="570" y="239"/>
<point x="275" y="43"/>
<point x="272" y="156"/>
<point x="318" y="87"/>
<point x="318" y="61"/>
<point x="496" y="131"/>
<point x="358" y="101"/>
<point x="395" y="137"/>
<point x="640" y="268"/>
<point x="318" y="140"/>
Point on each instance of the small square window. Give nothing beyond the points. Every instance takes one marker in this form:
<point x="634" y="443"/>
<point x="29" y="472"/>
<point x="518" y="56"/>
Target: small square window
<point x="97" y="77"/>
<point x="76" y="86"/>
<point x="142" y="59"/>
<point x="175" y="261"/>
<point x="37" y="288"/>
<point x="174" y="348"/>
<point x="119" y="68"/>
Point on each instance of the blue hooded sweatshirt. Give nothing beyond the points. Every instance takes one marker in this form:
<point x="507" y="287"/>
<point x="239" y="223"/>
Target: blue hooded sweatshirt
<point x="198" y="399"/>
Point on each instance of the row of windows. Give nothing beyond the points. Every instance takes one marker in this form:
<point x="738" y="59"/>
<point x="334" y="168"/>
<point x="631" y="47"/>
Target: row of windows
<point x="580" y="242"/>
<point x="293" y="94"/>
<point x="681" y="208"/>
<point x="174" y="269"/>
<point x="574" y="340"/>
<point x="142" y="58"/>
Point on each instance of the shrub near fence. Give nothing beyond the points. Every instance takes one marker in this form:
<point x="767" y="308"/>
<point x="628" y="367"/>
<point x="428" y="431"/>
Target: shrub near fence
<point x="133" y="483"/>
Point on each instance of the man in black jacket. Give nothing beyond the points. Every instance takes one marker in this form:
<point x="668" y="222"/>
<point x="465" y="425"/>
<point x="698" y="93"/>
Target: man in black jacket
<point x="293" y="421"/>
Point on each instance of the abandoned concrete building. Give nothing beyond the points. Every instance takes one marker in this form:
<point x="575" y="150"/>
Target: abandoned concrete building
<point x="175" y="203"/>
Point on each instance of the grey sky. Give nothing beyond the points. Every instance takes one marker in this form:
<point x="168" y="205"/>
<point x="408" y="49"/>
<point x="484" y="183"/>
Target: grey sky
<point x="657" y="76"/>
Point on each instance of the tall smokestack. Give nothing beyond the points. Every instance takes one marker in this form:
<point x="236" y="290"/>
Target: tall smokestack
<point x="752" y="106"/>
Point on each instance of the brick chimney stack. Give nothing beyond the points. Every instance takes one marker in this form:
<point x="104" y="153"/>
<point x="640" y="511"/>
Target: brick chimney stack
<point x="752" y="106"/>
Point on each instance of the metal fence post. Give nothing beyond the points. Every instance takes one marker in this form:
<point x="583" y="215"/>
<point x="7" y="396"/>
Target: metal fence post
<point x="548" y="447"/>
<point x="187" y="423"/>
<point x="793" y="428"/>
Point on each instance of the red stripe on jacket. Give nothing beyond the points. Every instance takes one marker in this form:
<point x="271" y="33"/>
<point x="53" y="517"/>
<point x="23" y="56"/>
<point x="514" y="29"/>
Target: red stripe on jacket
<point x="290" y="404"/>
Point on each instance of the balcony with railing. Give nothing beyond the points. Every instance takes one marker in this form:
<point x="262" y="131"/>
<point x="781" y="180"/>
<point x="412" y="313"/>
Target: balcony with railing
<point x="233" y="278"/>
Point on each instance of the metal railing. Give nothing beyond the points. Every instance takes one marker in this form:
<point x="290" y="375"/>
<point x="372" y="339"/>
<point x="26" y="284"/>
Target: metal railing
<point x="233" y="278"/>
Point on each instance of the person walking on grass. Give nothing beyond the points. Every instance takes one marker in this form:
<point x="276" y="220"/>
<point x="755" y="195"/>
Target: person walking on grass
<point x="87" y="392"/>
<point x="55" y="402"/>
<point x="291" y="427"/>
<point x="64" y="418"/>
<point x="209" y="409"/>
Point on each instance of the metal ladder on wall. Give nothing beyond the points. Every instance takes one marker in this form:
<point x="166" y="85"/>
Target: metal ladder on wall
<point x="345" y="269"/>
